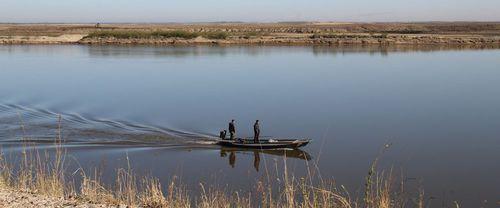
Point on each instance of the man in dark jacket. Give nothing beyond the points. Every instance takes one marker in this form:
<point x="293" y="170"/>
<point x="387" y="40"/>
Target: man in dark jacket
<point x="232" y="129"/>
<point x="222" y="134"/>
<point x="256" y="132"/>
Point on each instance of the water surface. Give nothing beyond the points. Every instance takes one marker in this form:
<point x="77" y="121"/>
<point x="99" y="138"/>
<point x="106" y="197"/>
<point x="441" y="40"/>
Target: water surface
<point x="438" y="107"/>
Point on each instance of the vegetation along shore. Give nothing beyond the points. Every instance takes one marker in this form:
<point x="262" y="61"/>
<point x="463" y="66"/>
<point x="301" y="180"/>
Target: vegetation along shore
<point x="287" y="33"/>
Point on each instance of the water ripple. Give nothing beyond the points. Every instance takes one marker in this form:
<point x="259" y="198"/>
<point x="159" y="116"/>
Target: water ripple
<point x="41" y="126"/>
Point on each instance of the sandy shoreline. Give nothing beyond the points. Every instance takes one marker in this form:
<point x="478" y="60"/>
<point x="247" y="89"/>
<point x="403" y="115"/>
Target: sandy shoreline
<point x="63" y="39"/>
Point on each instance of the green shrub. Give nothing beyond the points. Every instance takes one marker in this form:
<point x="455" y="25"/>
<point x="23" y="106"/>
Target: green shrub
<point x="215" y="35"/>
<point x="175" y="34"/>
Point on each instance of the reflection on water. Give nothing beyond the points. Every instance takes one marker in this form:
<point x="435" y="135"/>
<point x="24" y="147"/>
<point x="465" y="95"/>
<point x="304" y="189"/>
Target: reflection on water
<point x="99" y="51"/>
<point x="183" y="51"/>
<point x="385" y="50"/>
<point x="285" y="153"/>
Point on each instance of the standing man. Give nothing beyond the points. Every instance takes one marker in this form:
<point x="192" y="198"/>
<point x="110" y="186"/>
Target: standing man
<point x="256" y="132"/>
<point x="232" y="130"/>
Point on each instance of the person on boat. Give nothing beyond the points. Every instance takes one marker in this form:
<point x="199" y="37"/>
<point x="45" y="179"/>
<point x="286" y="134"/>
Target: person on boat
<point x="256" y="132"/>
<point x="232" y="129"/>
<point x="222" y="134"/>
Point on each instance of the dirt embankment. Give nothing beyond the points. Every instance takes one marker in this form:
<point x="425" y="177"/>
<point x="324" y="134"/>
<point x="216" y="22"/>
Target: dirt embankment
<point x="453" y="33"/>
<point x="14" y="199"/>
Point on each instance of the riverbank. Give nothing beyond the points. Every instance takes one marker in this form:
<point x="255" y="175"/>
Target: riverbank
<point x="329" y="40"/>
<point x="11" y="198"/>
<point x="307" y="33"/>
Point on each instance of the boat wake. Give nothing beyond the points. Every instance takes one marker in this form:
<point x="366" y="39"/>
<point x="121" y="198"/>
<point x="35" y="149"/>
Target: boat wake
<point x="24" y="124"/>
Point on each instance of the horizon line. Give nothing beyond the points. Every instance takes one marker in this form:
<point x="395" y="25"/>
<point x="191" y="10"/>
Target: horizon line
<point x="256" y="22"/>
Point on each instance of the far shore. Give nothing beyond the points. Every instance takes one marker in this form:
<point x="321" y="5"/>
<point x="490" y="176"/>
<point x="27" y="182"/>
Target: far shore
<point x="302" y="33"/>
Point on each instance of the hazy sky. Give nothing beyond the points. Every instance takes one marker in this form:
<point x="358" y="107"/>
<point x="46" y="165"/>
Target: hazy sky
<point x="247" y="10"/>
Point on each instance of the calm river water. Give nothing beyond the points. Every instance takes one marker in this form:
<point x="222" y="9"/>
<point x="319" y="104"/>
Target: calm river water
<point x="439" y="108"/>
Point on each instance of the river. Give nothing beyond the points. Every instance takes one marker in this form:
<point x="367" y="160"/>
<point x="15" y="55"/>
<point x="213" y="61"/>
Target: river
<point x="439" y="108"/>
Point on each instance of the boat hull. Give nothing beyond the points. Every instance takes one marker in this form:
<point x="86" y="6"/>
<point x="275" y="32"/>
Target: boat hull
<point x="280" y="144"/>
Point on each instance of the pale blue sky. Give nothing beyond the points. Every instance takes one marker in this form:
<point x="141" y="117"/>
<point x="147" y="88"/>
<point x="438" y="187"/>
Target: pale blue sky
<point x="247" y="10"/>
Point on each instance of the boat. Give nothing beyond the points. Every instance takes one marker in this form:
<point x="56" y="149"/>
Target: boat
<point x="265" y="144"/>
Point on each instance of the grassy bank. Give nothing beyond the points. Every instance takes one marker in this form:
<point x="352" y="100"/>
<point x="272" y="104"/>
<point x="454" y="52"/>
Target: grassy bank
<point x="138" y="34"/>
<point x="47" y="174"/>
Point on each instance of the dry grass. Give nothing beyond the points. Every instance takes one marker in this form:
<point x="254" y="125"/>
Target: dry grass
<point x="45" y="174"/>
<point x="38" y="173"/>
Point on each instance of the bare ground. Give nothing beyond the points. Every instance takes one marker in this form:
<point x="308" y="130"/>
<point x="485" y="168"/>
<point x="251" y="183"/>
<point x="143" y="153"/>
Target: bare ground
<point x="14" y="199"/>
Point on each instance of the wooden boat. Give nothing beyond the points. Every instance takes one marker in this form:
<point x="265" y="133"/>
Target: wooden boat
<point x="265" y="144"/>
